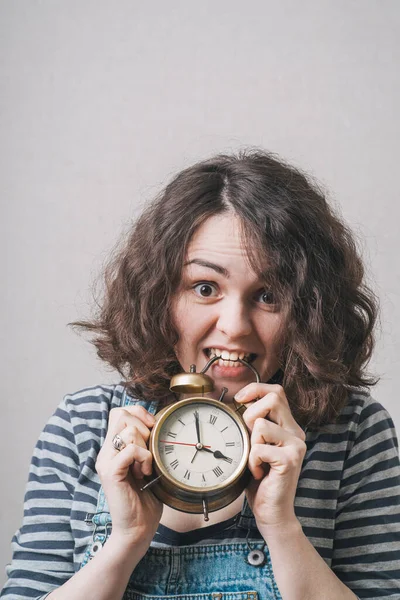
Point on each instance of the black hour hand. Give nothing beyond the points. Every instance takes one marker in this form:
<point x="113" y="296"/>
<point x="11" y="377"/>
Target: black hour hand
<point x="218" y="454"/>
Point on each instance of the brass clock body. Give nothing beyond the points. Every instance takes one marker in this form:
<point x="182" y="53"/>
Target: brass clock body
<point x="200" y="448"/>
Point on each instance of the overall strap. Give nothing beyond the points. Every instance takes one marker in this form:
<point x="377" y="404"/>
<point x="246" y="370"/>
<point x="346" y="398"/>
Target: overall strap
<point x="150" y="405"/>
<point x="102" y="515"/>
<point x="101" y="519"/>
<point x="246" y="519"/>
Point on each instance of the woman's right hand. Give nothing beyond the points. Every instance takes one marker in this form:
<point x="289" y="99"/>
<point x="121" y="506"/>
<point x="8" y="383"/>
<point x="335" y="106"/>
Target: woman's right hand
<point x="135" y="514"/>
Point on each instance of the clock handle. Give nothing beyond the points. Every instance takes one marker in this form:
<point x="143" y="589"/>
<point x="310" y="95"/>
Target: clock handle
<point x="251" y="368"/>
<point x="240" y="408"/>
<point x="243" y="362"/>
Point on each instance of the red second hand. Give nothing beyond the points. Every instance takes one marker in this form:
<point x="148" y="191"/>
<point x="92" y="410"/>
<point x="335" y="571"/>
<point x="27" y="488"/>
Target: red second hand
<point x="181" y="443"/>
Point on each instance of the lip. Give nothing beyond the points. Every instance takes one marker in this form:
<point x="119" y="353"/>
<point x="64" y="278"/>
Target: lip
<point x="230" y="372"/>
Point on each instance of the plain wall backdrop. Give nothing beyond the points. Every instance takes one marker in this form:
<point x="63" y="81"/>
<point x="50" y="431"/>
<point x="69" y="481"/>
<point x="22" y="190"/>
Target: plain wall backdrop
<point x="102" y="101"/>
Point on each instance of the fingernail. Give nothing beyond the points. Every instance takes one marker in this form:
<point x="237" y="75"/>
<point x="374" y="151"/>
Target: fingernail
<point x="239" y="395"/>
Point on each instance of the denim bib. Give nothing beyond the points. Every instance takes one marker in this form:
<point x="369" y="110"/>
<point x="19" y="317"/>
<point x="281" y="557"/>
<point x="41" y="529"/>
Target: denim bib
<point x="209" y="571"/>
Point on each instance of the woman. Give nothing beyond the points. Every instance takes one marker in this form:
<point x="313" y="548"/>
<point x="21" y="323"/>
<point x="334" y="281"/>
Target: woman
<point x="239" y="257"/>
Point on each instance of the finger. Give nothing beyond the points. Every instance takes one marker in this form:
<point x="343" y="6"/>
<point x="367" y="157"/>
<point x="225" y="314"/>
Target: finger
<point x="267" y="432"/>
<point x="122" y="419"/>
<point x="131" y="434"/>
<point x="137" y="470"/>
<point x="272" y="408"/>
<point x="260" y="455"/>
<point x="253" y="391"/>
<point x="138" y="459"/>
<point x="117" y="468"/>
<point x="141" y="413"/>
<point x="275" y="407"/>
<point x="137" y="467"/>
<point x="281" y="459"/>
<point x="124" y="415"/>
<point x="138" y="412"/>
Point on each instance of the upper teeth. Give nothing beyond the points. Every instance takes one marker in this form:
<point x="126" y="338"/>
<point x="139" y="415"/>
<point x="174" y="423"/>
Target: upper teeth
<point x="226" y="355"/>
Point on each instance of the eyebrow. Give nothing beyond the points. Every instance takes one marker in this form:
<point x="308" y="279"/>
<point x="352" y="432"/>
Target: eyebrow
<point x="208" y="265"/>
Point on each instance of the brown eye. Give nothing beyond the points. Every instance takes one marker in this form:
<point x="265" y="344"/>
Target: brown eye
<point x="206" y="290"/>
<point x="266" y="297"/>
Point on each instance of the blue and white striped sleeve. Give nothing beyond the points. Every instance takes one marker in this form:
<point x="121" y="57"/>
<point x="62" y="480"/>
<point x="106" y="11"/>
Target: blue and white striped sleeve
<point x="43" y="546"/>
<point x="367" y="532"/>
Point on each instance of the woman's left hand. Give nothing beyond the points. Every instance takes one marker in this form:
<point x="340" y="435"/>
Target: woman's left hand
<point x="276" y="455"/>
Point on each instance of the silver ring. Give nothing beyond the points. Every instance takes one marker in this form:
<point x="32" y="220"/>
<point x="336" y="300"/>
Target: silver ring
<point x="118" y="442"/>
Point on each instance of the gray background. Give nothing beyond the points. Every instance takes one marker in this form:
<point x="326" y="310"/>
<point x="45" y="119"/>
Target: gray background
<point x="102" y="101"/>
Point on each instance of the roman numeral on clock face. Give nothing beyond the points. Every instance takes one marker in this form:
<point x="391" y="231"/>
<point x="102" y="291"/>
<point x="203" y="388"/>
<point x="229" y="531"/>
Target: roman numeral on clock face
<point x="213" y="418"/>
<point x="218" y="471"/>
<point x="170" y="434"/>
<point x="168" y="448"/>
<point x="174" y="463"/>
<point x="229" y="443"/>
<point x="187" y="475"/>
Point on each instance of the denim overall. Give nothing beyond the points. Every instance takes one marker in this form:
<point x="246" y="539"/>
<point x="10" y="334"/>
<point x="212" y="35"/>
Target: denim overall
<point x="209" y="571"/>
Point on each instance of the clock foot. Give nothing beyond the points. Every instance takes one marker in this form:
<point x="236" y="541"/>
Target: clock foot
<point x="205" y="509"/>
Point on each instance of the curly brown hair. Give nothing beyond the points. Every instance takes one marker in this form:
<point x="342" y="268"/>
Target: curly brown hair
<point x="313" y="265"/>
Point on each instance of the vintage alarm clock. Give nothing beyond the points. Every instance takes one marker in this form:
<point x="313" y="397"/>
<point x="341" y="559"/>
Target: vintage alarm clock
<point x="200" y="447"/>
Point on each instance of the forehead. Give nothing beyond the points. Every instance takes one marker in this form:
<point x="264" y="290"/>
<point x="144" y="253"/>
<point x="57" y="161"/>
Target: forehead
<point x="219" y="243"/>
<point x="220" y="234"/>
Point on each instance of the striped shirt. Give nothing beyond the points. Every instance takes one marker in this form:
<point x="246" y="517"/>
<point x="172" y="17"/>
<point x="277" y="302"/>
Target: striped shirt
<point x="347" y="500"/>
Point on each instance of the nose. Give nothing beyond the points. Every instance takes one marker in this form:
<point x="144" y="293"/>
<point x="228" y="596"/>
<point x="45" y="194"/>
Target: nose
<point x="234" y="319"/>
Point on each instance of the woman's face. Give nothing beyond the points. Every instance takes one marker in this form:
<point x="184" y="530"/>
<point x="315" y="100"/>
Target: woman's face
<point x="222" y="308"/>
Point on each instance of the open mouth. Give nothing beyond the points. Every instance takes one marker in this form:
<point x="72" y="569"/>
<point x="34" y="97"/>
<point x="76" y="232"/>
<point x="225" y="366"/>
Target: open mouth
<point x="229" y="359"/>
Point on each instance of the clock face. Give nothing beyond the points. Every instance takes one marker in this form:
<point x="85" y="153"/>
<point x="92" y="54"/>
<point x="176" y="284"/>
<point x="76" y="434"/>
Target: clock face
<point x="201" y="445"/>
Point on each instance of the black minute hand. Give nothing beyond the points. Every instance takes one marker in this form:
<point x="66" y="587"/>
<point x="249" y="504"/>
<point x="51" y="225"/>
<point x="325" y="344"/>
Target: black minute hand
<point x="196" y="418"/>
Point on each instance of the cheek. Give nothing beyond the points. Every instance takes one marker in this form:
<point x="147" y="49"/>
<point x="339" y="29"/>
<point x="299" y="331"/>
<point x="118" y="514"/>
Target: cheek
<point x="185" y="326"/>
<point x="272" y="332"/>
<point x="192" y="319"/>
<point x="193" y="324"/>
<point x="179" y="312"/>
<point x="186" y="349"/>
